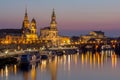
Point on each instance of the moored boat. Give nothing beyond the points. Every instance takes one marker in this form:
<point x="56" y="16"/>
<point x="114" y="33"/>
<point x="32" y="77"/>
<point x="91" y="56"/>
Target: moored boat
<point x="30" y="57"/>
<point x="44" y="56"/>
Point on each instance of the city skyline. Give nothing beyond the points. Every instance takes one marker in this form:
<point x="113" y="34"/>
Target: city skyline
<point x="81" y="18"/>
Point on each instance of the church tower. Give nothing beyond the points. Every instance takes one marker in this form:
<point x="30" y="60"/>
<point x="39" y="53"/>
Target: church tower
<point x="33" y="26"/>
<point x="53" y="24"/>
<point x="25" y="22"/>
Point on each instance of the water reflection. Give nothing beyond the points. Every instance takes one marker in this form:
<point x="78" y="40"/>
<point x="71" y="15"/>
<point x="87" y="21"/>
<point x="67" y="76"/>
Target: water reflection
<point x="61" y="67"/>
<point x="99" y="59"/>
<point x="33" y="72"/>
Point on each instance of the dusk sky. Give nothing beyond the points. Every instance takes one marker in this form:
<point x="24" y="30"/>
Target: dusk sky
<point x="74" y="17"/>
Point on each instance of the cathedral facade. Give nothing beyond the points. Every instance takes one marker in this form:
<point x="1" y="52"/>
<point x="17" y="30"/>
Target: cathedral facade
<point x="50" y="36"/>
<point x="29" y="30"/>
<point x="26" y="35"/>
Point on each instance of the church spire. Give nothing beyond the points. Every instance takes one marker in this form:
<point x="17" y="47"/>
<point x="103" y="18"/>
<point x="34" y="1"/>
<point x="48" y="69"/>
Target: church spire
<point x="26" y="15"/>
<point x="53" y="21"/>
<point x="25" y="21"/>
<point x="53" y="13"/>
<point x="26" y="12"/>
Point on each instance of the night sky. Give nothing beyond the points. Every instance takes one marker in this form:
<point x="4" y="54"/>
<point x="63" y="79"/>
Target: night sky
<point x="74" y="17"/>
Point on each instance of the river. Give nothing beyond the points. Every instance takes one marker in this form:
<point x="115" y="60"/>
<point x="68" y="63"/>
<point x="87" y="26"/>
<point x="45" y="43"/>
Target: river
<point x="83" y="66"/>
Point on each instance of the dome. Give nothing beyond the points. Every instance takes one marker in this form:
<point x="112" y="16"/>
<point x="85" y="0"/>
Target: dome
<point x="33" y="20"/>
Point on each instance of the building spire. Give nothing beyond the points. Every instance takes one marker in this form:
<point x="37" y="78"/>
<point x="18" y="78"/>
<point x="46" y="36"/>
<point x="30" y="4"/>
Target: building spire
<point x="53" y="20"/>
<point x="26" y="14"/>
<point x="26" y="11"/>
<point x="53" y="14"/>
<point x="26" y="20"/>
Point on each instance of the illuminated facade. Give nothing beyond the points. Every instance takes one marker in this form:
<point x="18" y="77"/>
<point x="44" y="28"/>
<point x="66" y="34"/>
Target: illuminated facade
<point x="8" y="36"/>
<point x="64" y="40"/>
<point x="29" y="30"/>
<point x="50" y="36"/>
<point x="96" y="35"/>
<point x="27" y="34"/>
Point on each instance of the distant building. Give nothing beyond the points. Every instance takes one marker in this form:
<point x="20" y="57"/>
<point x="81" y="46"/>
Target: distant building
<point x="97" y="34"/>
<point x="8" y="36"/>
<point x="94" y="36"/>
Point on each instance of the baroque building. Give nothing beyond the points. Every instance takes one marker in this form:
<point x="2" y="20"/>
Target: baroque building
<point x="29" y="30"/>
<point x="50" y="36"/>
<point x="93" y="36"/>
<point x="27" y="34"/>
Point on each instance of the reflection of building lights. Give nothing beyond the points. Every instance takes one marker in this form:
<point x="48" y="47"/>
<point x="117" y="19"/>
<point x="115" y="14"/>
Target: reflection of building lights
<point x="82" y="59"/>
<point x="64" y="56"/>
<point x="61" y="60"/>
<point x="91" y="59"/>
<point x="15" y="69"/>
<point x="99" y="62"/>
<point x="43" y="65"/>
<point x="44" y="62"/>
<point x="6" y="71"/>
<point x="86" y="58"/>
<point x="68" y="62"/>
<point x="76" y="59"/>
<point x="2" y="72"/>
<point x="114" y="61"/>
<point x="94" y="59"/>
<point x="55" y="59"/>
<point x="25" y="75"/>
<point x="102" y="58"/>
<point x="33" y="73"/>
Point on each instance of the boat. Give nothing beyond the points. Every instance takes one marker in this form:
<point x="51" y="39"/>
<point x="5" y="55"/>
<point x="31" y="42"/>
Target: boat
<point x="59" y="53"/>
<point x="106" y="47"/>
<point x="30" y="57"/>
<point x="71" y="51"/>
<point x="44" y="57"/>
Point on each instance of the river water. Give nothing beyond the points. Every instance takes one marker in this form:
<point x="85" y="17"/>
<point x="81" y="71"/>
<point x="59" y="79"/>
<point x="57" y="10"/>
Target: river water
<point x="87" y="66"/>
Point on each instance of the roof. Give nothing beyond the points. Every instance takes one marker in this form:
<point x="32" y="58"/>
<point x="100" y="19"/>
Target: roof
<point x="99" y="32"/>
<point x="92" y="39"/>
<point x="45" y="28"/>
<point x="33" y="20"/>
<point x="10" y="32"/>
